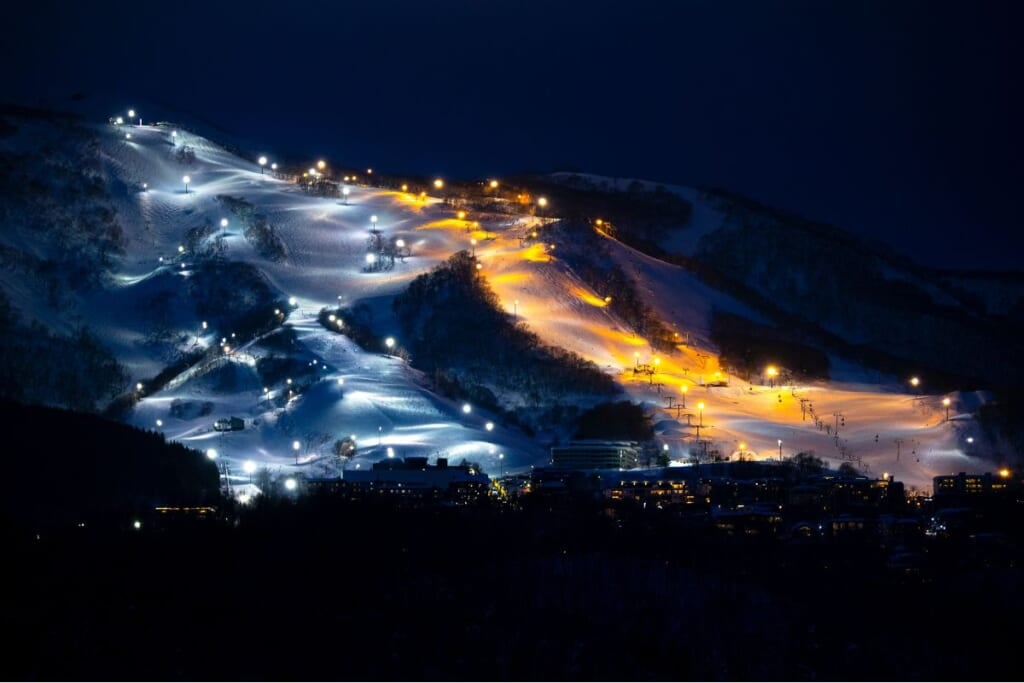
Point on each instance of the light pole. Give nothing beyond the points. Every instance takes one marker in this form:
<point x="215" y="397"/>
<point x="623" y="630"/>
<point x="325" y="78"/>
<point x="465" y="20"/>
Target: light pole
<point x="682" y="390"/>
<point x="501" y="464"/>
<point x="263" y="162"/>
<point x="946" y="403"/>
<point x="186" y="180"/>
<point x="295" y="447"/>
<point x="373" y="223"/>
<point x="472" y="243"/>
<point x="772" y="372"/>
<point x="223" y="224"/>
<point x="344" y="195"/>
<point x="780" y="450"/>
<point x="515" y="310"/>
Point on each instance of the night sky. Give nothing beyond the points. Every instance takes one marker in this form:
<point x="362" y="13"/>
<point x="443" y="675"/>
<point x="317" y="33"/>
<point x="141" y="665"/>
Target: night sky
<point x="897" y="120"/>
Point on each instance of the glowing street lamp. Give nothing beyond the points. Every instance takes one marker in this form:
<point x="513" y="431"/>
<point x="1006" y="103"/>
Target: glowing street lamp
<point x="515" y="309"/>
<point x="211" y="453"/>
<point x="915" y="381"/>
<point x="373" y="223"/>
<point x="461" y="215"/>
<point x="290" y="483"/>
<point x="344" y="195"/>
<point x="273" y="167"/>
<point x="494" y="184"/>
<point x="223" y="223"/>
<point x="472" y="243"/>
<point x="295" y="447"/>
<point x="772" y="372"/>
<point x="636" y="360"/>
<point x="700" y="412"/>
<point x="249" y="467"/>
<point x="438" y="184"/>
<point x="542" y="202"/>
<point x="489" y="426"/>
<point x="263" y="162"/>
<point x="946" y="403"/>
<point x="321" y="165"/>
<point x="501" y="464"/>
<point x="466" y="408"/>
<point x="780" y="450"/>
<point x="682" y="390"/>
<point x="186" y="180"/>
<point x="390" y="343"/>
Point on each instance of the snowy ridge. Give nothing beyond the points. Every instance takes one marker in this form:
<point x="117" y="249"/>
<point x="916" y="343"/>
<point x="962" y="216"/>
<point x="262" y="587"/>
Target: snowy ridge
<point x="386" y="404"/>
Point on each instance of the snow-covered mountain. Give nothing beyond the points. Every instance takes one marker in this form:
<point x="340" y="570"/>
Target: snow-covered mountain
<point x="183" y="304"/>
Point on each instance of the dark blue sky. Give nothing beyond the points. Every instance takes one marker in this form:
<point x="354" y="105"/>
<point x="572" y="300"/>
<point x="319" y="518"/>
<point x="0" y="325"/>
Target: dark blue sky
<point x="897" y="120"/>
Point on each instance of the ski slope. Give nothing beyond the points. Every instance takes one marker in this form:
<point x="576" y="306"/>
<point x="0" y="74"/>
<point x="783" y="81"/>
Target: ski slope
<point x="387" y="406"/>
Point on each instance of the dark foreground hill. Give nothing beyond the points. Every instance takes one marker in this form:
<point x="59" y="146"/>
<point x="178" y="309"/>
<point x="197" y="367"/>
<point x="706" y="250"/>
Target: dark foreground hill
<point x="64" y="467"/>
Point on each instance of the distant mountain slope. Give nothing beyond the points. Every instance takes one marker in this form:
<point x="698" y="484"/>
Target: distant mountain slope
<point x="848" y="295"/>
